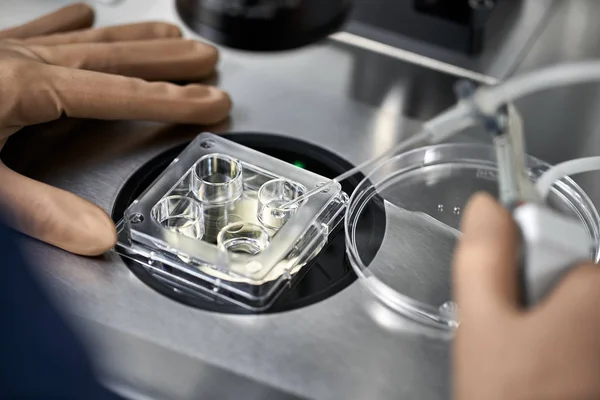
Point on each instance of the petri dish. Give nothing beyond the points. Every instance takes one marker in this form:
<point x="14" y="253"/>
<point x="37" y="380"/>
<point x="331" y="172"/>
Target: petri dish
<point x="423" y="193"/>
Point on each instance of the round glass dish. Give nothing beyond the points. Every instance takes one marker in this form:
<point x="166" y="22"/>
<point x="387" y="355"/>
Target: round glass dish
<point x="423" y="192"/>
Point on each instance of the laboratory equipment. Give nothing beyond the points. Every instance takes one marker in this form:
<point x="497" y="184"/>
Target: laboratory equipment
<point x="483" y="106"/>
<point x="555" y="239"/>
<point x="328" y="273"/>
<point x="461" y="25"/>
<point x="272" y="195"/>
<point x="265" y="25"/>
<point x="211" y="222"/>
<point x="425" y="191"/>
<point x="567" y="168"/>
<point x="552" y="243"/>
<point x="465" y="26"/>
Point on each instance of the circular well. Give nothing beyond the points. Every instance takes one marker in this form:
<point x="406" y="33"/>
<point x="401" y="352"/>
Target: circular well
<point x="180" y="214"/>
<point x="242" y="237"/>
<point x="217" y="179"/>
<point x="274" y="194"/>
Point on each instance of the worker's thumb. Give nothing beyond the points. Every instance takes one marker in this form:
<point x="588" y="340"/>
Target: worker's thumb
<point x="55" y="216"/>
<point x="485" y="265"/>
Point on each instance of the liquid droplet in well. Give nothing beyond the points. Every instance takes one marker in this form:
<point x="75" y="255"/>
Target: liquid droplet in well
<point x="440" y="207"/>
<point x="456" y="210"/>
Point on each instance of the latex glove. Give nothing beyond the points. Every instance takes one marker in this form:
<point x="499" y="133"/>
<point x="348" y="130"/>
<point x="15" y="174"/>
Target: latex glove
<point x="54" y="66"/>
<point x="502" y="351"/>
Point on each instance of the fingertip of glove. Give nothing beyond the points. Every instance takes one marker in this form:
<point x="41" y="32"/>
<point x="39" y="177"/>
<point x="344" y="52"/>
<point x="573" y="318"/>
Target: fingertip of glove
<point x="208" y="105"/>
<point x="212" y="53"/>
<point x="104" y="237"/>
<point x="166" y="30"/>
<point x="483" y="212"/>
<point x="206" y="58"/>
<point x="106" y="240"/>
<point x="85" y="12"/>
<point x="222" y="106"/>
<point x="83" y="8"/>
<point x="227" y="100"/>
<point x="96" y="234"/>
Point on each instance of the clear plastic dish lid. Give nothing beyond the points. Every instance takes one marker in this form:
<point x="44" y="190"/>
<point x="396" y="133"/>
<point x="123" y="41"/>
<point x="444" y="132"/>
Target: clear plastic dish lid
<point x="212" y="222"/>
<point x="423" y="193"/>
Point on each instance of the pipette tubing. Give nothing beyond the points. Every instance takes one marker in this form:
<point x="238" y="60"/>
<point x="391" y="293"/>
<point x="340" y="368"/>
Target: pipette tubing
<point x="486" y="100"/>
<point x="562" y="170"/>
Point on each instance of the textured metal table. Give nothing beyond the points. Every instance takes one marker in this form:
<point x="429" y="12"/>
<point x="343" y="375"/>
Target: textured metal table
<point x="352" y="101"/>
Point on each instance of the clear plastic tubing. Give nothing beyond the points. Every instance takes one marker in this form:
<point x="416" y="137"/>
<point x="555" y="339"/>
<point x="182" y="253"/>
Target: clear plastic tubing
<point x="567" y="168"/>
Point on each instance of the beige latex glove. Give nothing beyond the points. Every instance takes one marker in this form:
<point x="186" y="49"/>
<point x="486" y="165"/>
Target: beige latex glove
<point x="502" y="351"/>
<point x="56" y="66"/>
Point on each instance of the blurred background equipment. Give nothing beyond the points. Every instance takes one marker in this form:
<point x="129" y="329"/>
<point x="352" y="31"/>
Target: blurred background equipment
<point x="264" y="25"/>
<point x="459" y="25"/>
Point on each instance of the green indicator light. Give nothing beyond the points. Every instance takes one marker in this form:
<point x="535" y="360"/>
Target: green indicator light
<point x="299" y="164"/>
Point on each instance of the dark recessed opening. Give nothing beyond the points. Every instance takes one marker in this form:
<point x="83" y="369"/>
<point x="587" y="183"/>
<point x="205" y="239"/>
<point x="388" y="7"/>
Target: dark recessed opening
<point x="327" y="274"/>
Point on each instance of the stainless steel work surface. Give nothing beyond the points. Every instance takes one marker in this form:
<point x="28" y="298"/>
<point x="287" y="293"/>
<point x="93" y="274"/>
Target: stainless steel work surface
<point x="352" y="101"/>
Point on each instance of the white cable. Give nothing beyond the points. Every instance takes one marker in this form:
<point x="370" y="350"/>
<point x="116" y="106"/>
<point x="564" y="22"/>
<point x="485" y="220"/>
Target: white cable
<point x="490" y="98"/>
<point x="564" y="169"/>
<point x="450" y="122"/>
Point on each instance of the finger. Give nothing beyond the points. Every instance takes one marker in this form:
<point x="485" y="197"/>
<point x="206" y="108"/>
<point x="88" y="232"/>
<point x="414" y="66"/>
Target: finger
<point x="58" y="91"/>
<point x="577" y="292"/>
<point x="69" y="18"/>
<point x="55" y="216"/>
<point x="121" y="33"/>
<point x="485" y="265"/>
<point x="166" y="59"/>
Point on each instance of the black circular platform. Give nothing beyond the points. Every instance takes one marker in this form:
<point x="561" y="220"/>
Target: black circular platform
<point x="326" y="275"/>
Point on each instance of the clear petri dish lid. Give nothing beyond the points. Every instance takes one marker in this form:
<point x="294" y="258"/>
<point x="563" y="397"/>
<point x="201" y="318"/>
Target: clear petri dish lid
<point x="423" y="193"/>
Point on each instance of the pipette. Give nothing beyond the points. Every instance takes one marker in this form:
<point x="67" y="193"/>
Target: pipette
<point x="552" y="243"/>
<point x="515" y="186"/>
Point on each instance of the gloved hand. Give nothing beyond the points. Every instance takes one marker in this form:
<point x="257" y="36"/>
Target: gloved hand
<point x="501" y="351"/>
<point x="56" y="66"/>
